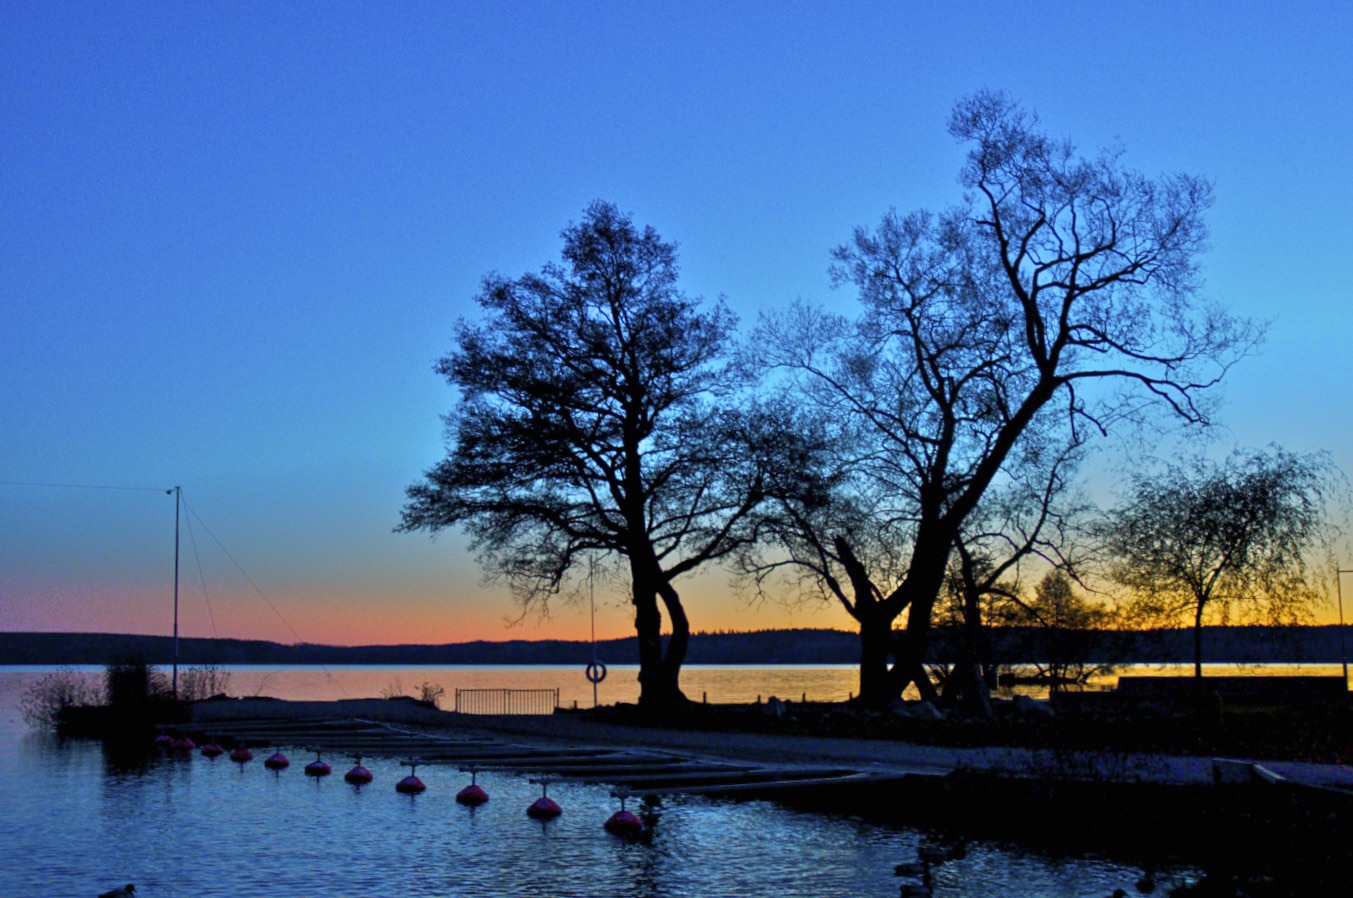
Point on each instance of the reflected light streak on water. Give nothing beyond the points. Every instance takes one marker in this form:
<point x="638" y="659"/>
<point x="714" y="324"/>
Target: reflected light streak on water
<point x="726" y="684"/>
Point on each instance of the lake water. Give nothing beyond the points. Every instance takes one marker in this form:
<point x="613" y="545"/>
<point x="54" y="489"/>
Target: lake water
<point x="73" y="823"/>
<point x="721" y="683"/>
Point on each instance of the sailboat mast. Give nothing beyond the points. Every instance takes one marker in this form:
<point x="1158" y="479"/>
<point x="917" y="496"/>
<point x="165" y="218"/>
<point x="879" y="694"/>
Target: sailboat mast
<point x="178" y="490"/>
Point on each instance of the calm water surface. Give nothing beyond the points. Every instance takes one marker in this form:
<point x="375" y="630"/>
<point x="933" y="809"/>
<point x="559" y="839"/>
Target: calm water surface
<point x="73" y="823"/>
<point x="724" y="683"/>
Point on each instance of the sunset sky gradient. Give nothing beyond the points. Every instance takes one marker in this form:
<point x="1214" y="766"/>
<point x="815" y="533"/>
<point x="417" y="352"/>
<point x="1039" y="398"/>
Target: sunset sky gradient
<point x="235" y="237"/>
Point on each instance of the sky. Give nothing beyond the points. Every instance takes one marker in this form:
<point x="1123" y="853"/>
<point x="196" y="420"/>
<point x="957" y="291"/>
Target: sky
<point x="234" y="237"/>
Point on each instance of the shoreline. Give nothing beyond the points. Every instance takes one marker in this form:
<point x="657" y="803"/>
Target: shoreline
<point x="1273" y="829"/>
<point x="581" y="728"/>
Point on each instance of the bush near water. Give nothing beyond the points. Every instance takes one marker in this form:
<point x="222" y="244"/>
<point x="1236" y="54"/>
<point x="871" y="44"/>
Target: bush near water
<point x="134" y="697"/>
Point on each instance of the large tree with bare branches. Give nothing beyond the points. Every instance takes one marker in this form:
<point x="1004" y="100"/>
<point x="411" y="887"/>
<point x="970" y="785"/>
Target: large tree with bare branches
<point x="1060" y="295"/>
<point x="595" y="421"/>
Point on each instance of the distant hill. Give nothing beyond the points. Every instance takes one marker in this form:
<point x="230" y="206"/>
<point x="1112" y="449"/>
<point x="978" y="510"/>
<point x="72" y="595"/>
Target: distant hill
<point x="765" y="647"/>
<point x="1011" y="645"/>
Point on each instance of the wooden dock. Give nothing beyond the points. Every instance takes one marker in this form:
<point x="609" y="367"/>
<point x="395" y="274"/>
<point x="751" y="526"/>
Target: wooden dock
<point x="632" y="772"/>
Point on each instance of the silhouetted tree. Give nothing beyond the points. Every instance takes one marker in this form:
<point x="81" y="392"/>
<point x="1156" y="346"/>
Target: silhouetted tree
<point x="1031" y="513"/>
<point x="1060" y="293"/>
<point x="1064" y="627"/>
<point x="595" y="419"/>
<point x="1201" y="540"/>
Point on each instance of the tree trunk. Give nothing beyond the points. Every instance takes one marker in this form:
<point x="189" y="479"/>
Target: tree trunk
<point x="965" y="688"/>
<point x="910" y="668"/>
<point x="659" y="674"/>
<point x="879" y="683"/>
<point x="1198" y="643"/>
<point x="910" y="665"/>
<point x="648" y="628"/>
<point x="876" y="637"/>
<point x="676" y="647"/>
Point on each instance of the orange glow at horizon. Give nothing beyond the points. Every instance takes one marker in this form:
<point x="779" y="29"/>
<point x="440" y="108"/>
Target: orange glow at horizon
<point x="329" y="618"/>
<point x="358" y="614"/>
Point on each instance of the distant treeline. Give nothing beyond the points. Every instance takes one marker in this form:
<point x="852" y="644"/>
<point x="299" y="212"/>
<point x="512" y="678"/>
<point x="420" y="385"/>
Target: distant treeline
<point x="1008" y="645"/>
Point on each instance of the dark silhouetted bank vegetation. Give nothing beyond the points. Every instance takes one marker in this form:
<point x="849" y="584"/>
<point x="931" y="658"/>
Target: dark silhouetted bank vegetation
<point x="1010" y="646"/>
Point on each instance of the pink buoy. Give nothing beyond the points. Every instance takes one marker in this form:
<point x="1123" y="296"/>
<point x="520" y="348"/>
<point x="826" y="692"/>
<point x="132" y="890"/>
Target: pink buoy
<point x="544" y="808"/>
<point x="241" y="755"/>
<point x="212" y="750"/>
<point x="164" y="740"/>
<point x="276" y="761"/>
<point x="472" y="795"/>
<point x="410" y="785"/>
<point x="359" y="775"/>
<point x="318" y="767"/>
<point x="184" y="744"/>
<point x="624" y="823"/>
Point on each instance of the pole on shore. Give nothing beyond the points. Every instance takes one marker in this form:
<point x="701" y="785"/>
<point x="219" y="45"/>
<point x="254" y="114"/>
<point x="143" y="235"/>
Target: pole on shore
<point x="1339" y="590"/>
<point x="178" y="497"/>
<point x="592" y="604"/>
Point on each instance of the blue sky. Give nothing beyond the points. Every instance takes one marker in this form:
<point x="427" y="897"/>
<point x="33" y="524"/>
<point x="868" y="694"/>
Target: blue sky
<point x="236" y="236"/>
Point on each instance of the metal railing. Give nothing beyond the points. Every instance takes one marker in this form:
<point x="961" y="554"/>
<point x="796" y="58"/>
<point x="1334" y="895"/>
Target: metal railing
<point x="506" y="701"/>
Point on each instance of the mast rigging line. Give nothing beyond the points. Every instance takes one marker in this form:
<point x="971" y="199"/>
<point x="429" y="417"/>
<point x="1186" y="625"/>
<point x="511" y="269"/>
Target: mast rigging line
<point x="201" y="578"/>
<point x="192" y="514"/>
<point x="261" y="594"/>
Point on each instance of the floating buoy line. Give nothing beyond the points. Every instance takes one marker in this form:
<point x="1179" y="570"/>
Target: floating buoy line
<point x="623" y="823"/>
<point x="632" y="773"/>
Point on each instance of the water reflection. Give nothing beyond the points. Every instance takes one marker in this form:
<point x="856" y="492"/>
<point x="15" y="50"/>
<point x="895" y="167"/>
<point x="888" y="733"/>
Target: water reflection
<point x="78" y="820"/>
<point x="189" y="826"/>
<point x="728" y="684"/>
<point x="128" y="759"/>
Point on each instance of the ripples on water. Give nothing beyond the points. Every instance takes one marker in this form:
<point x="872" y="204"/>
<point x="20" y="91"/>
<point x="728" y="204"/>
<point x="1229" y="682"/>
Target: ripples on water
<point x="71" y="823"/>
<point x="192" y="827"/>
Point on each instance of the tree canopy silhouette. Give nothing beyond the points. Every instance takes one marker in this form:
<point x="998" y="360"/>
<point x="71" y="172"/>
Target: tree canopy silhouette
<point x="1203" y="540"/>
<point x="597" y="419"/>
<point x="1058" y="299"/>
